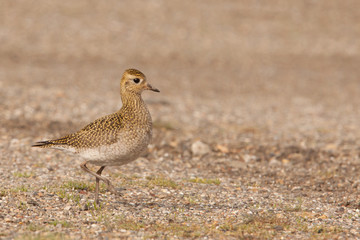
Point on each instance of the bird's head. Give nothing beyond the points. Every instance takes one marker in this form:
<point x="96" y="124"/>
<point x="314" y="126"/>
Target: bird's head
<point x="134" y="81"/>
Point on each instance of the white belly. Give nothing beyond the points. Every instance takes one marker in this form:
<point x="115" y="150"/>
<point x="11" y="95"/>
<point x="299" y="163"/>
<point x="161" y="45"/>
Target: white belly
<point x="116" y="154"/>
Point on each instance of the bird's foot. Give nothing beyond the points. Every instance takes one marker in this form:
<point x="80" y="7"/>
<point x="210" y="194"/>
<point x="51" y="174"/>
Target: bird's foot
<point x="111" y="188"/>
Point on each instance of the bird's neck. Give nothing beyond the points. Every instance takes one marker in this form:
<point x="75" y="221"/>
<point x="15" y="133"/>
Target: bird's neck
<point x="135" y="111"/>
<point x="132" y="101"/>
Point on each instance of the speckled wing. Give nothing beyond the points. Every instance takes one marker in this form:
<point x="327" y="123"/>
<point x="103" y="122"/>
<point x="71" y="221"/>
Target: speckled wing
<point x="102" y="131"/>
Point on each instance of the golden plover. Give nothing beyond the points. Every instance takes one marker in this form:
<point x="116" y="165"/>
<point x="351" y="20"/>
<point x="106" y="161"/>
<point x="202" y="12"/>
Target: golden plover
<point x="115" y="139"/>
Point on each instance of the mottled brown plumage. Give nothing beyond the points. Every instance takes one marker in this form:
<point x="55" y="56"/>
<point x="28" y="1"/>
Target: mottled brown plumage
<point x="102" y="131"/>
<point x="115" y="139"/>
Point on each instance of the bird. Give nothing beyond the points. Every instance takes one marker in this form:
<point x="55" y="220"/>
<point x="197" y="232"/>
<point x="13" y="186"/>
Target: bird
<point x="115" y="139"/>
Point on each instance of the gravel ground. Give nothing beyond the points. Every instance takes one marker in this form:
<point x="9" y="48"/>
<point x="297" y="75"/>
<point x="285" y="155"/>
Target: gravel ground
<point x="256" y="131"/>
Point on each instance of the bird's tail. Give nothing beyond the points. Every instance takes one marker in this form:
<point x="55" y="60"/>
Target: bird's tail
<point x="50" y="143"/>
<point x="44" y="144"/>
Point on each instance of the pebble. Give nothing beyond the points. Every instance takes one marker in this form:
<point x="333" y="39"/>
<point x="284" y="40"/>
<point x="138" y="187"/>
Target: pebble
<point x="67" y="208"/>
<point x="274" y="162"/>
<point x="296" y="188"/>
<point x="248" y="158"/>
<point x="199" y="148"/>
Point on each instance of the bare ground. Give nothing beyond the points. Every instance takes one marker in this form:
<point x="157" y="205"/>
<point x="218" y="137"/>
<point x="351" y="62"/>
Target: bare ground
<point x="270" y="87"/>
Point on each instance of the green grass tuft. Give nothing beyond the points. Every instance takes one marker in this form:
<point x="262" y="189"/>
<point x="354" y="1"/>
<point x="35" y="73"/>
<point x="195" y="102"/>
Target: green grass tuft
<point x="205" y="181"/>
<point x="23" y="174"/>
<point x="77" y="185"/>
<point x="64" y="224"/>
<point x="161" y="182"/>
<point x="41" y="236"/>
<point x="21" y="188"/>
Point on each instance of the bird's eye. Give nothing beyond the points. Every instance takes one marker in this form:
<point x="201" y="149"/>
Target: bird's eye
<point x="136" y="80"/>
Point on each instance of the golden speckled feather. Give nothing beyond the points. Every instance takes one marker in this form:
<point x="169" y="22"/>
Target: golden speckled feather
<point x="102" y="131"/>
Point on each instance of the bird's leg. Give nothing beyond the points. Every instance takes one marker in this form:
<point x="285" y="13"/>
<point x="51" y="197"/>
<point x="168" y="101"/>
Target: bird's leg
<point x="105" y="180"/>
<point x="97" y="185"/>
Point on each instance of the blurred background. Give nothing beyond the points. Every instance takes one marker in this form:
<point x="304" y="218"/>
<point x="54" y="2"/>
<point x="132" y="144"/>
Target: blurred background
<point x="228" y="71"/>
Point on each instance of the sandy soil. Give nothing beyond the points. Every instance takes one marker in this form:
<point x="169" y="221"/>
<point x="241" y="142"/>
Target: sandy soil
<point x="271" y="88"/>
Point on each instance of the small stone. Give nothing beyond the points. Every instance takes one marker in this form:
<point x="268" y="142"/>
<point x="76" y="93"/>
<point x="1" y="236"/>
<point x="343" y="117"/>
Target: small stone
<point x="356" y="184"/>
<point x="86" y="207"/>
<point x="200" y="148"/>
<point x="67" y="208"/>
<point x="165" y="191"/>
<point x="295" y="157"/>
<point x="33" y="202"/>
<point x="296" y="188"/>
<point x="248" y="158"/>
<point x="341" y="209"/>
<point x="274" y="162"/>
<point x="59" y="227"/>
<point x="278" y="228"/>
<point x="222" y="148"/>
<point x="285" y="161"/>
<point x="174" y="143"/>
<point x="331" y="147"/>
<point x="237" y="164"/>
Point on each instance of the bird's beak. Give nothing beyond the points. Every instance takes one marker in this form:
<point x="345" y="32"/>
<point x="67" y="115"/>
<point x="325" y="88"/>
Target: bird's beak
<point x="149" y="87"/>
